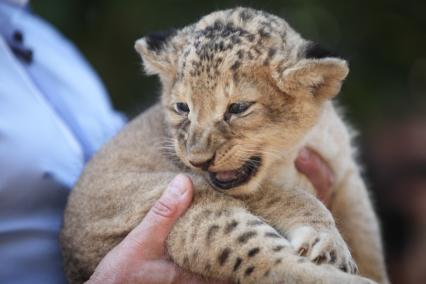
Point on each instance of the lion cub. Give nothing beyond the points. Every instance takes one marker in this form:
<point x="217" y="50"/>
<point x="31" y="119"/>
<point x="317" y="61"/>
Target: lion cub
<point x="242" y="93"/>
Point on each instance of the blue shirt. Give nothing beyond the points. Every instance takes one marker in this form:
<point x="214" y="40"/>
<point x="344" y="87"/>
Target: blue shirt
<point x="54" y="114"/>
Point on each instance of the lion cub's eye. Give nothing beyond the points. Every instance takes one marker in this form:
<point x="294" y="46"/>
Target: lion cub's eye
<point x="237" y="108"/>
<point x="181" y="108"/>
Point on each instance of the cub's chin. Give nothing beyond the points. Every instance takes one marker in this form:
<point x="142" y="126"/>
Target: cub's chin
<point x="226" y="180"/>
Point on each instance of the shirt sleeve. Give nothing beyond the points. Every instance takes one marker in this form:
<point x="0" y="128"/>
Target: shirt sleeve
<point x="54" y="114"/>
<point x="70" y="85"/>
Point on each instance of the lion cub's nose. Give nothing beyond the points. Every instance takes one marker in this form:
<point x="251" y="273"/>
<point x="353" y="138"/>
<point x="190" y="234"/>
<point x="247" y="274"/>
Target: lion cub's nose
<point x="203" y="164"/>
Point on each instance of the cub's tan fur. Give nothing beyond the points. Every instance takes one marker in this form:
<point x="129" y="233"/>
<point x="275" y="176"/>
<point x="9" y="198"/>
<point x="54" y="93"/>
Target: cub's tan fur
<point x="250" y="231"/>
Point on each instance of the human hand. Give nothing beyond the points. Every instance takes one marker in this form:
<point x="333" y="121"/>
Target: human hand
<point x="311" y="164"/>
<point x="141" y="256"/>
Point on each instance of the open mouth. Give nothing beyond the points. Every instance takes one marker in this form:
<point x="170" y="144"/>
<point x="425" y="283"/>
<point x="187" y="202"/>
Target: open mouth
<point x="230" y="179"/>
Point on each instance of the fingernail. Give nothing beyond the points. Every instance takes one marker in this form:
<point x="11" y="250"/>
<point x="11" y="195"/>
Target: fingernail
<point x="304" y="155"/>
<point x="178" y="185"/>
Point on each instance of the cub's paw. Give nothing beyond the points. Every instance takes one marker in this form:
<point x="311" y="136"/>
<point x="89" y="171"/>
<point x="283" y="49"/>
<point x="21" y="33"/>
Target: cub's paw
<point x="322" y="247"/>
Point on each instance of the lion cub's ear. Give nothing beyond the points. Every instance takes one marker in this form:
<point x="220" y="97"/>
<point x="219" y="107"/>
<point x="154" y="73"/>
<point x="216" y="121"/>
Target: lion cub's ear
<point x="320" y="73"/>
<point x="159" y="53"/>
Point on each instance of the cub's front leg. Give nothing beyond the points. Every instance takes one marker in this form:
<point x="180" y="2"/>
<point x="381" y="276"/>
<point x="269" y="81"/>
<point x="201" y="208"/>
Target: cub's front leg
<point x="307" y="224"/>
<point x="218" y="237"/>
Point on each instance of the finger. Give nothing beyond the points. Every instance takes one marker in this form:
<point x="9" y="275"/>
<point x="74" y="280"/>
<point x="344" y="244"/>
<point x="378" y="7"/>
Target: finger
<point x="151" y="234"/>
<point x="317" y="171"/>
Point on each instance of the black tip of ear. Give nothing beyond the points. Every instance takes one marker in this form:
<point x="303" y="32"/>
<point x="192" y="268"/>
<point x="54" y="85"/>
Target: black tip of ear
<point x="314" y="50"/>
<point x="156" y="41"/>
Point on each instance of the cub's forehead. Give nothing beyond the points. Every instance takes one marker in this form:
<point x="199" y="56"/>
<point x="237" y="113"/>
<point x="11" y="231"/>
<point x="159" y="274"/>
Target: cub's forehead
<point x="242" y="19"/>
<point x="225" y="41"/>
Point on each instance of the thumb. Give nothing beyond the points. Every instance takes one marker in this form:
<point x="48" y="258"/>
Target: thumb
<point x="152" y="232"/>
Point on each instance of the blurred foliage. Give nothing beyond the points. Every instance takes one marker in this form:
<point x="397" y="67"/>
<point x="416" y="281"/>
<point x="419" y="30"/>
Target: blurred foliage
<point x="384" y="41"/>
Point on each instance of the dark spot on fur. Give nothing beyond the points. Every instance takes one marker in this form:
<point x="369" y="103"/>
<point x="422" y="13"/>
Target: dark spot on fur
<point x="231" y="226"/>
<point x="250" y="37"/>
<point x="314" y="222"/>
<point x="186" y="261"/>
<point x="272" y="202"/>
<point x="278" y="261"/>
<point x="218" y="24"/>
<point x="240" y="54"/>
<point x="156" y="41"/>
<point x="263" y="33"/>
<point x="257" y="51"/>
<point x="236" y="65"/>
<point x="314" y="50"/>
<point x="236" y="77"/>
<point x="249" y="271"/>
<point x="221" y="46"/>
<point x="245" y="15"/>
<point x="223" y="256"/>
<point x="277" y="248"/>
<point x="254" y="223"/>
<point x="182" y="240"/>
<point x="333" y="257"/>
<point x="237" y="264"/>
<point x="272" y="235"/>
<point x="211" y="232"/>
<point x="272" y="52"/>
<point x="195" y="255"/>
<point x="253" y="252"/>
<point x="235" y="39"/>
<point x="250" y="55"/>
<point x="200" y="218"/>
<point x="280" y="68"/>
<point x="246" y="236"/>
<point x="315" y="241"/>
<point x="267" y="273"/>
<point x="302" y="260"/>
<point x="266" y="61"/>
<point x="224" y="212"/>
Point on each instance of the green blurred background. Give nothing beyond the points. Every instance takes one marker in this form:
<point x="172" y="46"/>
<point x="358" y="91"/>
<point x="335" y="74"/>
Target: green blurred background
<point x="384" y="95"/>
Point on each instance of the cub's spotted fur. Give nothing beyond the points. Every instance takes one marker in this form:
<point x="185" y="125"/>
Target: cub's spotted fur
<point x="242" y="93"/>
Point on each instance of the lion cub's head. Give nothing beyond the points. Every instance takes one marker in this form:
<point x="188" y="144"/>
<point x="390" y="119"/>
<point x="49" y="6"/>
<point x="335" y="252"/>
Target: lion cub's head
<point x="240" y="87"/>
